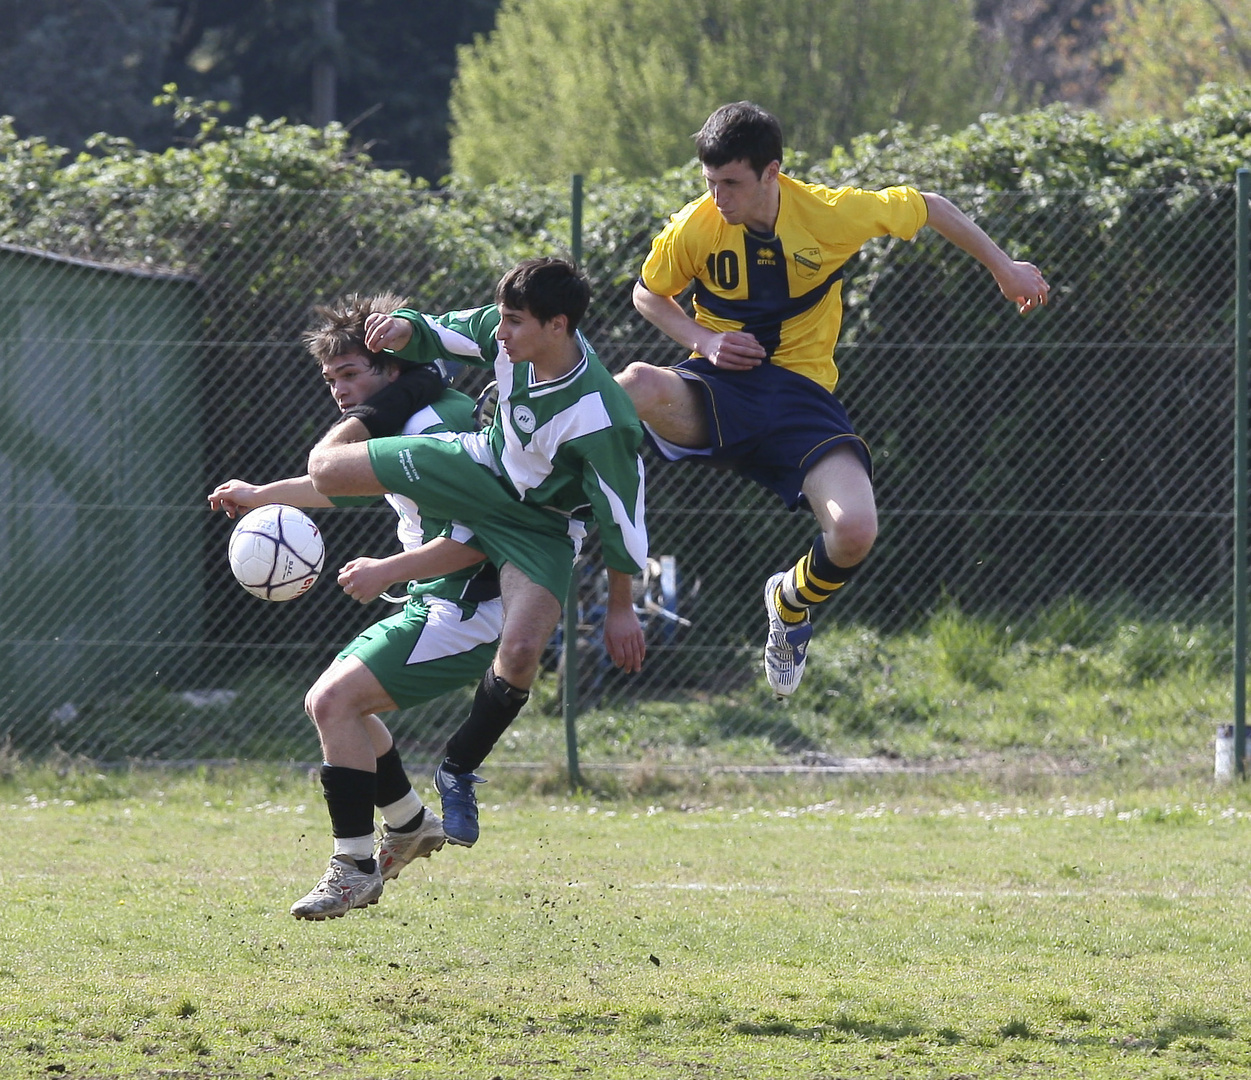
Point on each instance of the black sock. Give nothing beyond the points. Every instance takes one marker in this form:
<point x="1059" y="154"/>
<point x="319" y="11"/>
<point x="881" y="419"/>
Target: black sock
<point x="393" y="782"/>
<point x="350" y="798"/>
<point x="495" y="705"/>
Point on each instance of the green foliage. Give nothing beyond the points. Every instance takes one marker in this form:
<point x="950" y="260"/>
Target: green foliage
<point x="620" y="87"/>
<point x="969" y="648"/>
<point x="1059" y="149"/>
<point x="1167" y="50"/>
<point x="1077" y="684"/>
<point x="185" y="207"/>
<point x="72" y="68"/>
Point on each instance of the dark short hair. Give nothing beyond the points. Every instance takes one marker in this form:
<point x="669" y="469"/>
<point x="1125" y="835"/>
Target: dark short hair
<point x="741" y="131"/>
<point x="339" y="327"/>
<point x="546" y="287"/>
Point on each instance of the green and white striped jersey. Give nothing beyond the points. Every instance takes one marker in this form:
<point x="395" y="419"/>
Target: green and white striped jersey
<point x="570" y="444"/>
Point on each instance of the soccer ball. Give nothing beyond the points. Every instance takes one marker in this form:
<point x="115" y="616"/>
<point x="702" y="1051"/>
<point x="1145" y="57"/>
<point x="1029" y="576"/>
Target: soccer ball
<point x="276" y="552"/>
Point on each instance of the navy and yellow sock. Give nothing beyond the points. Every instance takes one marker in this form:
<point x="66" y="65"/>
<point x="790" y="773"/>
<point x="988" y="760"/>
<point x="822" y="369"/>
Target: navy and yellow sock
<point x="812" y="580"/>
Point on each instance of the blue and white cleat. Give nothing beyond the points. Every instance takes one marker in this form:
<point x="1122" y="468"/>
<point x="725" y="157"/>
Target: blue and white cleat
<point x="460" y="805"/>
<point x="786" y="648"/>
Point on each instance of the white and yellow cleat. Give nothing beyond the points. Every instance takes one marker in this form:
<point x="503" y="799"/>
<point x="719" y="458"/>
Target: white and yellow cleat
<point x="397" y="849"/>
<point x="343" y="886"/>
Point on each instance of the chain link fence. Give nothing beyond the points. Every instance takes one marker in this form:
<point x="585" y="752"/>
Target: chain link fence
<point x="1059" y="484"/>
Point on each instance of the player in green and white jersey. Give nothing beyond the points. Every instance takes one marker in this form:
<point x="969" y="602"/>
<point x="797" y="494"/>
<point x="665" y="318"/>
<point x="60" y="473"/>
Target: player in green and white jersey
<point x="440" y="641"/>
<point x="561" y="451"/>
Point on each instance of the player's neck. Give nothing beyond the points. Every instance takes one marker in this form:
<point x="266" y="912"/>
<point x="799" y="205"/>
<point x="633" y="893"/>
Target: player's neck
<point x="559" y="362"/>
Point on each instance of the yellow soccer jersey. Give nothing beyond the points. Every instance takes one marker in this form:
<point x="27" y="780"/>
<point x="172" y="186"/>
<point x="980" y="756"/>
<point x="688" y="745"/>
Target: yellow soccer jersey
<point x="786" y="289"/>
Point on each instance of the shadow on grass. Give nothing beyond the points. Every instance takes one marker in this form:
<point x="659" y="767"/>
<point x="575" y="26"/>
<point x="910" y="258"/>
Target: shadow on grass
<point x="1185" y="1026"/>
<point x="896" y="1029"/>
<point x="873" y="1030"/>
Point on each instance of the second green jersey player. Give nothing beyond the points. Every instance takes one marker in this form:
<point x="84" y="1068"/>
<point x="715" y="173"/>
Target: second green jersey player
<point x="562" y="451"/>
<point x="440" y="640"/>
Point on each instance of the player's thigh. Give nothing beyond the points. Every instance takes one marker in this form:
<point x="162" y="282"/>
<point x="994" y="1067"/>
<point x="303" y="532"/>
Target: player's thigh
<point x="438" y="474"/>
<point x="344" y="470"/>
<point x="840" y="492"/>
<point x="673" y="407"/>
<point x="347" y="687"/>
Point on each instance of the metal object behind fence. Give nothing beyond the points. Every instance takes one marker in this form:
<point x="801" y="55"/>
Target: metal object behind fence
<point x="1079" y="456"/>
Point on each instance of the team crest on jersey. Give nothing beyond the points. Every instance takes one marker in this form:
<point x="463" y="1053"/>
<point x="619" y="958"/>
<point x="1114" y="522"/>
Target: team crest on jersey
<point x="808" y="262"/>
<point x="524" y="419"/>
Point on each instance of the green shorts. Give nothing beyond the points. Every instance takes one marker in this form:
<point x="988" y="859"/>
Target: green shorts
<point x="429" y="649"/>
<point x="445" y="482"/>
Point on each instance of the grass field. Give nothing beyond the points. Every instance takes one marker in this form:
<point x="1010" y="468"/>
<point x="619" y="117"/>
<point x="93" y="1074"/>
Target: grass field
<point x="894" y="926"/>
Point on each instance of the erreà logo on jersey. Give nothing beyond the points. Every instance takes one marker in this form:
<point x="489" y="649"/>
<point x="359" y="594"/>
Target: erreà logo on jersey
<point x="524" y="419"/>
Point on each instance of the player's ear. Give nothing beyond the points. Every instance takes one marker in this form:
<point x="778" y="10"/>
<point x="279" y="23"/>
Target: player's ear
<point x="771" y="172"/>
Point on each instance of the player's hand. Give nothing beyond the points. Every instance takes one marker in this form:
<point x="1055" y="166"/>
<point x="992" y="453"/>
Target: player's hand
<point x="623" y="639"/>
<point x="1025" y="286"/>
<point x="234" y="496"/>
<point x="734" y="350"/>
<point x="386" y="332"/>
<point x="365" y="579"/>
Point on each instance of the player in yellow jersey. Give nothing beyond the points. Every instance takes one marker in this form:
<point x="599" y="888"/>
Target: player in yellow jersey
<point x="764" y="255"/>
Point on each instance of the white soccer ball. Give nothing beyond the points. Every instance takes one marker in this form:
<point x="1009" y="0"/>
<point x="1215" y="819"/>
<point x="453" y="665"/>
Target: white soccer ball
<point x="276" y="552"/>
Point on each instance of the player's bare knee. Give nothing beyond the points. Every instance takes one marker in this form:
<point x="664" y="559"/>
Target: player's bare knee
<point x="327" y="702"/>
<point x="850" y="542"/>
<point x="643" y="384"/>
<point x="318" y="702"/>
<point x="517" y="661"/>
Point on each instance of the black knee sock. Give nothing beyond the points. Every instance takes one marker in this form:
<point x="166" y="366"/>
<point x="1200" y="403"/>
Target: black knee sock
<point x="350" y="797"/>
<point x="393" y="785"/>
<point x="495" y="706"/>
<point x="393" y="782"/>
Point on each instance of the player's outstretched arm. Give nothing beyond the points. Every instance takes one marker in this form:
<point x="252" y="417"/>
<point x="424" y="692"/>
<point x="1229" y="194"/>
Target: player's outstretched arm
<point x="366" y="579"/>
<point x="623" y="636"/>
<point x="733" y="350"/>
<point x="235" y="496"/>
<point x="1020" y="282"/>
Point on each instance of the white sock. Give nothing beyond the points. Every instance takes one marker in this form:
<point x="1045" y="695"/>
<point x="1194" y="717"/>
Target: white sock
<point x="355" y="847"/>
<point x="402" y="811"/>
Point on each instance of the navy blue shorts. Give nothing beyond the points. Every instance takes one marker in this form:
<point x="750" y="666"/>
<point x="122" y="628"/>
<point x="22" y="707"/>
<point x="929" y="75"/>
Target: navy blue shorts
<point x="768" y="424"/>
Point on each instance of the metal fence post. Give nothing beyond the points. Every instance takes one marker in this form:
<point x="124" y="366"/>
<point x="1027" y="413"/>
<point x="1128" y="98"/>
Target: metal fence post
<point x="1240" y="473"/>
<point x="569" y="689"/>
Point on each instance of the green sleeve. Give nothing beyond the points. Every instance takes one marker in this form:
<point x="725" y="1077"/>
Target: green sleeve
<point x="465" y="336"/>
